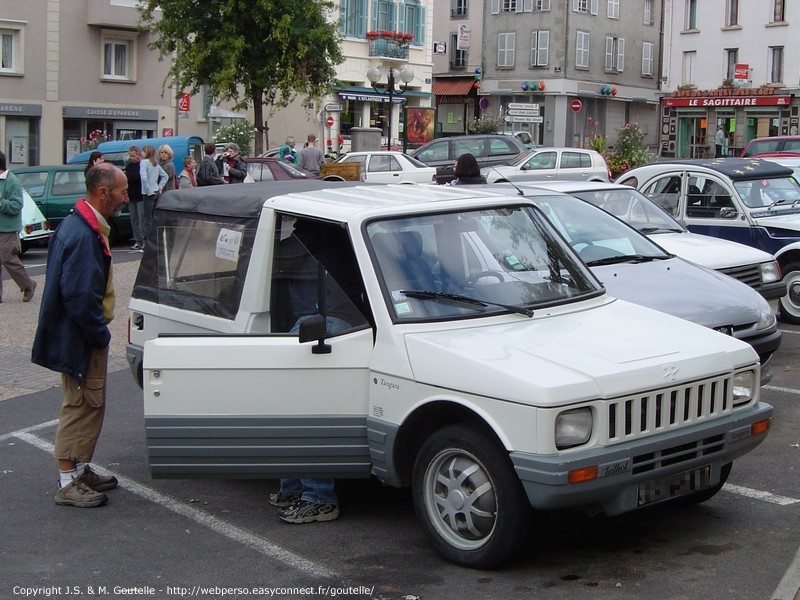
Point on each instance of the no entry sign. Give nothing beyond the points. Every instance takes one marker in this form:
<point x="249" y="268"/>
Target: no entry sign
<point x="329" y="121"/>
<point x="576" y="105"/>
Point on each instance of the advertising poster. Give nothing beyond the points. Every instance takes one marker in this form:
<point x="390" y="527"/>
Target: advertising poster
<point x="420" y="124"/>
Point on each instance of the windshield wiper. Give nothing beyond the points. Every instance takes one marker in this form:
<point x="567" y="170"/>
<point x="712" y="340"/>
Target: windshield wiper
<point x="647" y="230"/>
<point x="775" y="202"/>
<point x="632" y="258"/>
<point x="429" y="295"/>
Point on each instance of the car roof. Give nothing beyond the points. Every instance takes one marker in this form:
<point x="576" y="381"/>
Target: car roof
<point x="337" y="201"/>
<point x="735" y="169"/>
<point x="31" y="168"/>
<point x="575" y="186"/>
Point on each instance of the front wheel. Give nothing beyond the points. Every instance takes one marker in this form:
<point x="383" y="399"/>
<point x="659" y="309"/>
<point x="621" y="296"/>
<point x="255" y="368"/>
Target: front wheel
<point x="790" y="303"/>
<point x="468" y="497"/>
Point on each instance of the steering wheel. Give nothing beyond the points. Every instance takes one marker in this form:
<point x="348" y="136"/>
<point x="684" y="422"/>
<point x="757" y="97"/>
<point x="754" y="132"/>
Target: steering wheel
<point x="474" y="277"/>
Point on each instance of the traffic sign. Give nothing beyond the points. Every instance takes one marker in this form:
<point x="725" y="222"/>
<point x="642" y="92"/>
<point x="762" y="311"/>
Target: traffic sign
<point x="329" y="121"/>
<point x="576" y="105"/>
<point x="510" y="119"/>
<point x="523" y="113"/>
<point x="522" y="106"/>
<point x="333" y="107"/>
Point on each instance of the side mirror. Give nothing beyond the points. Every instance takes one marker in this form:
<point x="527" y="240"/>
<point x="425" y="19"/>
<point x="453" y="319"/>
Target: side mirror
<point x="314" y="328"/>
<point x="727" y="212"/>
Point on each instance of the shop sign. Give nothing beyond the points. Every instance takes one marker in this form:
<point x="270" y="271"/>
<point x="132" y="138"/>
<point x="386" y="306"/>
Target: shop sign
<point x="730" y="101"/>
<point x="370" y="97"/>
<point x="22" y="110"/>
<point x="103" y="112"/>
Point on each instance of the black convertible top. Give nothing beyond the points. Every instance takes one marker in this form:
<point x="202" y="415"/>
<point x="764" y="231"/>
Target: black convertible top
<point x="741" y="168"/>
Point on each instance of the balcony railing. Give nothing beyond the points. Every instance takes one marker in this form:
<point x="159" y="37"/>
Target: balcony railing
<point x="458" y="13"/>
<point x="388" y="48"/>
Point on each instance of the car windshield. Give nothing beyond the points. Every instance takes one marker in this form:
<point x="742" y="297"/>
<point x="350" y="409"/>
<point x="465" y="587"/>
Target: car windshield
<point x="467" y="264"/>
<point x="763" y="193"/>
<point x="633" y="208"/>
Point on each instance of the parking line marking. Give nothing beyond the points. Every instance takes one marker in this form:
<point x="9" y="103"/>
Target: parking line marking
<point x="255" y="542"/>
<point x="781" y="389"/>
<point x="789" y="331"/>
<point x="759" y="495"/>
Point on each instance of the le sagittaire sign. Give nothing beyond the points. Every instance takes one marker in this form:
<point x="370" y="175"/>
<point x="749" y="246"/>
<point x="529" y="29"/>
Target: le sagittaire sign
<point x="714" y="101"/>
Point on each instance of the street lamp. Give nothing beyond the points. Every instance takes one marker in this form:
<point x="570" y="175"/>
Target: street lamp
<point x="406" y="76"/>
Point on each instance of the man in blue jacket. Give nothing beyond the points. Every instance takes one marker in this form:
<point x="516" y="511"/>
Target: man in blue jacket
<point x="73" y="335"/>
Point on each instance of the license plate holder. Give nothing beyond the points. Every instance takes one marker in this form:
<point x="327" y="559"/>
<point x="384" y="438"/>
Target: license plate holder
<point x="675" y="485"/>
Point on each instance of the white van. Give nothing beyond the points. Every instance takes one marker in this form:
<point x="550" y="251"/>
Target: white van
<point x="475" y="358"/>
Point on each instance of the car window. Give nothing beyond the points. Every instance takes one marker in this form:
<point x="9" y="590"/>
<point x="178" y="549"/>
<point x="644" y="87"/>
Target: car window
<point x="665" y="193"/>
<point x="34" y="182"/>
<point x="500" y="146"/>
<point x="259" y="171"/>
<point x="436" y="151"/>
<point x="415" y="162"/>
<point x="358" y="158"/>
<point x="575" y="160"/>
<point x="759" y="147"/>
<point x="524" y="137"/>
<point x="542" y="160"/>
<point x="791" y="146"/>
<point x="759" y="193"/>
<point x="382" y="164"/>
<point x="291" y="169"/>
<point x="473" y="146"/>
<point x="69" y="183"/>
<point x="630" y="206"/>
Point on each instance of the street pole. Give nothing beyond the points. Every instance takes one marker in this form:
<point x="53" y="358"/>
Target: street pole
<point x="390" y="86"/>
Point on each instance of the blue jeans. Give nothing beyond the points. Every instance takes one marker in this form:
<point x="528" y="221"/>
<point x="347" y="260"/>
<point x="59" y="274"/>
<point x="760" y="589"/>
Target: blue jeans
<point x="318" y="491"/>
<point x="137" y="220"/>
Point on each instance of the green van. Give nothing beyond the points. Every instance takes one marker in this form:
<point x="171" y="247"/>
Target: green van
<point x="55" y="189"/>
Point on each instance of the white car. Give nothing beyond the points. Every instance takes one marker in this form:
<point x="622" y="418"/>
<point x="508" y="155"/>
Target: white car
<point x="35" y="228"/>
<point x="391" y="167"/>
<point x="752" y="266"/>
<point x="551" y="164"/>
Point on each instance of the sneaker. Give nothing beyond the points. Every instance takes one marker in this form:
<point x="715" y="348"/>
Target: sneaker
<point x="135" y="246"/>
<point x="307" y="512"/>
<point x="283" y="501"/>
<point x="79" y="494"/>
<point x="99" y="483"/>
<point x="27" y="293"/>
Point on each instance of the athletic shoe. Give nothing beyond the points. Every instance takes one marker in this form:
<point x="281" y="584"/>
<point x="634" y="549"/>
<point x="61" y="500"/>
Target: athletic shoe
<point x="79" y="494"/>
<point x="307" y="512"/>
<point x="283" y="501"/>
<point x="99" y="483"/>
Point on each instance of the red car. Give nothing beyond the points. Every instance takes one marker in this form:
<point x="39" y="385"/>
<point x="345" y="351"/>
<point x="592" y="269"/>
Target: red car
<point x="272" y="169"/>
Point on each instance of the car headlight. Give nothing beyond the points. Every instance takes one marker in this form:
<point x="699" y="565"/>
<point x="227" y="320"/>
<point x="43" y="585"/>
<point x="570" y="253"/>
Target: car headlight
<point x="766" y="318"/>
<point x="770" y="272"/>
<point x="743" y="387"/>
<point x="573" y="427"/>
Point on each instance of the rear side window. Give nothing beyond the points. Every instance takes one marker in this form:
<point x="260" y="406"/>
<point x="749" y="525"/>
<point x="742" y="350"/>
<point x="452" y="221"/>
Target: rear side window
<point x="34" y="182"/>
<point x="500" y="146"/>
<point x="436" y="151"/>
<point x="575" y="160"/>
<point x="475" y="147"/>
<point x="69" y="183"/>
<point x="259" y="172"/>
<point x="791" y="146"/>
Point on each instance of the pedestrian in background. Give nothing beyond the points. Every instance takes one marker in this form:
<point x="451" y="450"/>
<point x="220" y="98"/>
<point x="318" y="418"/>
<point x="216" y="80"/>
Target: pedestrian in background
<point x="153" y="181"/>
<point x="73" y="336"/>
<point x="231" y="166"/>
<point x="10" y="223"/>
<point x="136" y="201"/>
<point x="287" y="151"/>
<point x="311" y="159"/>
<point x="187" y="177"/>
<point x="208" y="174"/>
<point x="94" y="158"/>
<point x="165" y="155"/>
<point x="467" y="170"/>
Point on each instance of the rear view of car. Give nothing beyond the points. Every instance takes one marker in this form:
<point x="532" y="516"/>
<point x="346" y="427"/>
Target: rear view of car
<point x="778" y="143"/>
<point x="35" y="228"/>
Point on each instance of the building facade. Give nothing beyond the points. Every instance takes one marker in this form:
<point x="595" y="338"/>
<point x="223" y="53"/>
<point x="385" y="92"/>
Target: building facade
<point x="729" y="63"/>
<point x="583" y="66"/>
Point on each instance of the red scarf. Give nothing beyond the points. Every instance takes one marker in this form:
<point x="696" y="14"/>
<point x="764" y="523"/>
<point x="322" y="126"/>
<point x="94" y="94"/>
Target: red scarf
<point x="191" y="176"/>
<point x="83" y="208"/>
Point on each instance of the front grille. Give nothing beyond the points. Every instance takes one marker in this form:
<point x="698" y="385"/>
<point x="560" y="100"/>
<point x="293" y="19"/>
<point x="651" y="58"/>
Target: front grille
<point x="748" y="274"/>
<point x="669" y="408"/>
<point x="678" y="454"/>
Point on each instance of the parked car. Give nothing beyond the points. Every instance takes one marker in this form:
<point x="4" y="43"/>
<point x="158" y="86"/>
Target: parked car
<point x="481" y="362"/>
<point x="391" y="167"/>
<point x="489" y="149"/>
<point x="551" y="164"/>
<point x="523" y="136"/>
<point x="56" y="188"/>
<point x="632" y="267"/>
<point x="35" y="228"/>
<point x="748" y="200"/>
<point x="272" y="169"/>
<point x="778" y="143"/>
<point x="789" y="159"/>
<point x="749" y="265"/>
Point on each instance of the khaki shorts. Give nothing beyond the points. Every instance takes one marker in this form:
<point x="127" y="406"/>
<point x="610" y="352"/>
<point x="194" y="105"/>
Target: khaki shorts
<point x="82" y="411"/>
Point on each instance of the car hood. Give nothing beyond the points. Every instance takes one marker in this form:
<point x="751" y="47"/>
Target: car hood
<point x="684" y="290"/>
<point x="602" y="352"/>
<point x="779" y="224"/>
<point x="711" y="252"/>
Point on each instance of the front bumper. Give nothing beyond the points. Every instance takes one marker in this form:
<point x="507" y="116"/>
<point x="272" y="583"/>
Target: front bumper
<point x="135" y="355"/>
<point x="622" y="468"/>
<point x="765" y="345"/>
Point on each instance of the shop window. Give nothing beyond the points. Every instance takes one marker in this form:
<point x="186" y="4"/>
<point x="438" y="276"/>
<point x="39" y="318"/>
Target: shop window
<point x="505" y="49"/>
<point x="353" y="18"/>
<point x="11" y="47"/>
<point x="540" y="48"/>
<point x="582" y="50"/>
<point x="118" y="56"/>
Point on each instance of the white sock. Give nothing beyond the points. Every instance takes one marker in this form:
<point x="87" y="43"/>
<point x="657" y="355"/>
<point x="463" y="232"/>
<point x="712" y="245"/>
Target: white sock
<point x="67" y="477"/>
<point x="79" y="466"/>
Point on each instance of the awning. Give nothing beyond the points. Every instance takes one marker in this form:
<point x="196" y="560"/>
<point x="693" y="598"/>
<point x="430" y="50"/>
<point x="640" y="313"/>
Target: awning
<point x="368" y="94"/>
<point x="453" y="87"/>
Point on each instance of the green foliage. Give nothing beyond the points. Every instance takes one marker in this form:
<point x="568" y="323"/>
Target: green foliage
<point x="597" y="141"/>
<point x="487" y="124"/>
<point x="629" y="152"/>
<point x="250" y="52"/>
<point x="240" y="131"/>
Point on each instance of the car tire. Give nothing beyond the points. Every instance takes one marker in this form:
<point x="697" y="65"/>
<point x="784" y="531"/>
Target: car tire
<point x="468" y="497"/>
<point x="790" y="303"/>
<point x="698" y="497"/>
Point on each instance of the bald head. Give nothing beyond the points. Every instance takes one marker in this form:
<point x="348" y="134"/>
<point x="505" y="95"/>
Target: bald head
<point x="107" y="189"/>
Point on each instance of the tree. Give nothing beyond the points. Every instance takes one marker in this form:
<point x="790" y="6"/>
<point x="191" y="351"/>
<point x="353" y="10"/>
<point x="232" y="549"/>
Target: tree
<point x="250" y="52"/>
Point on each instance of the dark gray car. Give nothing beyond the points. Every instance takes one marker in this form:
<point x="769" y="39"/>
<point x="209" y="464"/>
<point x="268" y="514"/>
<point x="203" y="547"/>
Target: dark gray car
<point x="488" y="149"/>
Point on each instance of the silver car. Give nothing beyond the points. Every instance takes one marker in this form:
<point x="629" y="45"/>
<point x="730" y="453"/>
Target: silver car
<point x="551" y="164"/>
